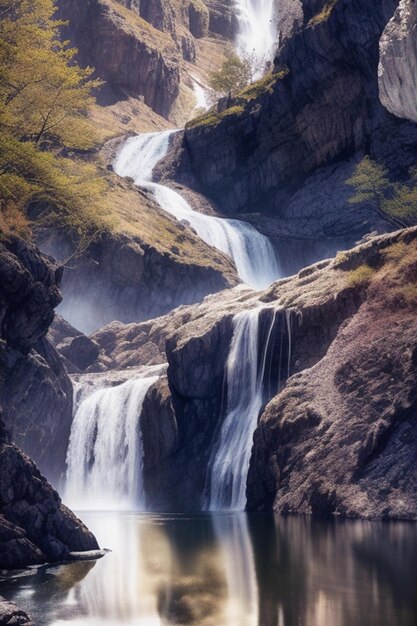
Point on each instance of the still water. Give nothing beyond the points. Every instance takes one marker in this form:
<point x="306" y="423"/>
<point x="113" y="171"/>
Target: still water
<point x="231" y="569"/>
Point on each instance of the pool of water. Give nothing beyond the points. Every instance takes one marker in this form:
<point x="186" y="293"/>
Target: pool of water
<point x="231" y="569"/>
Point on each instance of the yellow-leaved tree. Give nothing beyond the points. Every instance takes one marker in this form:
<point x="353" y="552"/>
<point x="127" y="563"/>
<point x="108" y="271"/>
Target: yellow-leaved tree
<point x="44" y="100"/>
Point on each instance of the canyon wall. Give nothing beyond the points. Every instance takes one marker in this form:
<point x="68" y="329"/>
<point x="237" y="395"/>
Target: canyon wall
<point x="333" y="440"/>
<point x="35" y="391"/>
<point x="280" y="153"/>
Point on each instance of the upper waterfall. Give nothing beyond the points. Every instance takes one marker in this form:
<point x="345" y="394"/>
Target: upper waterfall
<point x="257" y="34"/>
<point x="252" y="252"/>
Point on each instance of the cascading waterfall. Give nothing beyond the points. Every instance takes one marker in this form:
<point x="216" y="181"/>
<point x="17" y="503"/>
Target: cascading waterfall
<point x="229" y="463"/>
<point x="105" y="453"/>
<point x="257" y="34"/>
<point x="252" y="252"/>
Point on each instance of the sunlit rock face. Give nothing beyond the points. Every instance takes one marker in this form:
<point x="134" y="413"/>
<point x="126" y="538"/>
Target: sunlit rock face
<point x="398" y="62"/>
<point x="35" y="391"/>
<point x="340" y="438"/>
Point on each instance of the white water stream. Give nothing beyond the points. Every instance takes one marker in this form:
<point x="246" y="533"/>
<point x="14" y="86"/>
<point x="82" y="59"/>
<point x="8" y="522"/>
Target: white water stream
<point x="229" y="464"/>
<point x="257" y="34"/>
<point x="253" y="253"/>
<point x="105" y="452"/>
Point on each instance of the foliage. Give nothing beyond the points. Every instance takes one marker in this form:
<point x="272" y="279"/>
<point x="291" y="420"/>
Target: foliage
<point x="233" y="76"/>
<point x="44" y="99"/>
<point x="360" y="276"/>
<point x="370" y="181"/>
<point x="403" y="204"/>
<point x="396" y="202"/>
<point x="212" y="117"/>
<point x="324" y="14"/>
<point x="263" y="85"/>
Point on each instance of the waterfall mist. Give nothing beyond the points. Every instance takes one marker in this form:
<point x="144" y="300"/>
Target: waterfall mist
<point x="252" y="252"/>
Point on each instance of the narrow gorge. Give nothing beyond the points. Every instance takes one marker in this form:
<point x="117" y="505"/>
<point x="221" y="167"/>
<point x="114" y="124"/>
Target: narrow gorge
<point x="208" y="338"/>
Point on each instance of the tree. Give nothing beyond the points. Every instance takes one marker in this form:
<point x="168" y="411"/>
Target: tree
<point x="235" y="74"/>
<point x="372" y="184"/>
<point x="44" y="100"/>
<point x="44" y="95"/>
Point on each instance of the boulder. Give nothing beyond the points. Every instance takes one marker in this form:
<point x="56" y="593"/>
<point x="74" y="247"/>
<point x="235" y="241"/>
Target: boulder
<point x="11" y="615"/>
<point x="35" y="527"/>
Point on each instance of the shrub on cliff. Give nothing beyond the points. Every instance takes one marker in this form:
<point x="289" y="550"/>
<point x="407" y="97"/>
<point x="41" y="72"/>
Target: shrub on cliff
<point x="233" y="76"/>
<point x="44" y="99"/>
<point x="396" y="202"/>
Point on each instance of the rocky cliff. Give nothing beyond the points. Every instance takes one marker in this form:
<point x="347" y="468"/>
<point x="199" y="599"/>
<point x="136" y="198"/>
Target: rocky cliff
<point x="286" y="147"/>
<point x="35" y="391"/>
<point x="148" y="50"/>
<point x="333" y="440"/>
<point x="35" y="527"/>
<point x="398" y="59"/>
<point x="147" y="265"/>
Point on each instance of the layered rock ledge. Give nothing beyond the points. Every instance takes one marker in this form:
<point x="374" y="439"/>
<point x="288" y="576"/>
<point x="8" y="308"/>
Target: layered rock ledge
<point x="337" y="436"/>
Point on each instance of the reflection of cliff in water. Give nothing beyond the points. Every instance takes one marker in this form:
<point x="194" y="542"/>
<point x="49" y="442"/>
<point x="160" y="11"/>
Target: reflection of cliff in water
<point x="317" y="573"/>
<point x="234" y="569"/>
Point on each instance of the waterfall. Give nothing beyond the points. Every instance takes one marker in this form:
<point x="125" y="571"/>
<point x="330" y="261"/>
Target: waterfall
<point x="257" y="34"/>
<point x="252" y="252"/>
<point x="105" y="453"/>
<point x="229" y="463"/>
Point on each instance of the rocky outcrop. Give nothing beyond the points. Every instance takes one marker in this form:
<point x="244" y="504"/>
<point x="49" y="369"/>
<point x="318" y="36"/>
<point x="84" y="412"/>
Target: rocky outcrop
<point x="35" y="527"/>
<point x="35" y="391"/>
<point x="11" y="615"/>
<point x="398" y="62"/>
<point x="127" y="52"/>
<point x="138" y="47"/>
<point x="222" y="17"/>
<point x="339" y="439"/>
<point x="308" y="121"/>
<point x="129" y="278"/>
<point x="334" y="439"/>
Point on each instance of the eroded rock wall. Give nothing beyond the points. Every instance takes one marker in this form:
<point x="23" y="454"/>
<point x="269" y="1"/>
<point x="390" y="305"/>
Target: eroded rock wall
<point x="35" y="527"/>
<point x="35" y="391"/>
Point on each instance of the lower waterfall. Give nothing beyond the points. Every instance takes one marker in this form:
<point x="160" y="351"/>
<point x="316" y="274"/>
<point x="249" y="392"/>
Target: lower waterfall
<point x="252" y="252"/>
<point x="105" y="453"/>
<point x="229" y="463"/>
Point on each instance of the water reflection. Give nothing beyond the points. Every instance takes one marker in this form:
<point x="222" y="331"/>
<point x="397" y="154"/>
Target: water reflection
<point x="233" y="570"/>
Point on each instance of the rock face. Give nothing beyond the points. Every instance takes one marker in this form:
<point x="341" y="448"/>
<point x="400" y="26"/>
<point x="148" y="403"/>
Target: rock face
<point x="128" y="53"/>
<point x="339" y="439"/>
<point x="398" y="62"/>
<point x="222" y="17"/>
<point x="122" y="277"/>
<point x="35" y="391"/>
<point x="336" y="439"/>
<point x="11" y="615"/>
<point x="139" y="46"/>
<point x="35" y="527"/>
<point x="309" y="121"/>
